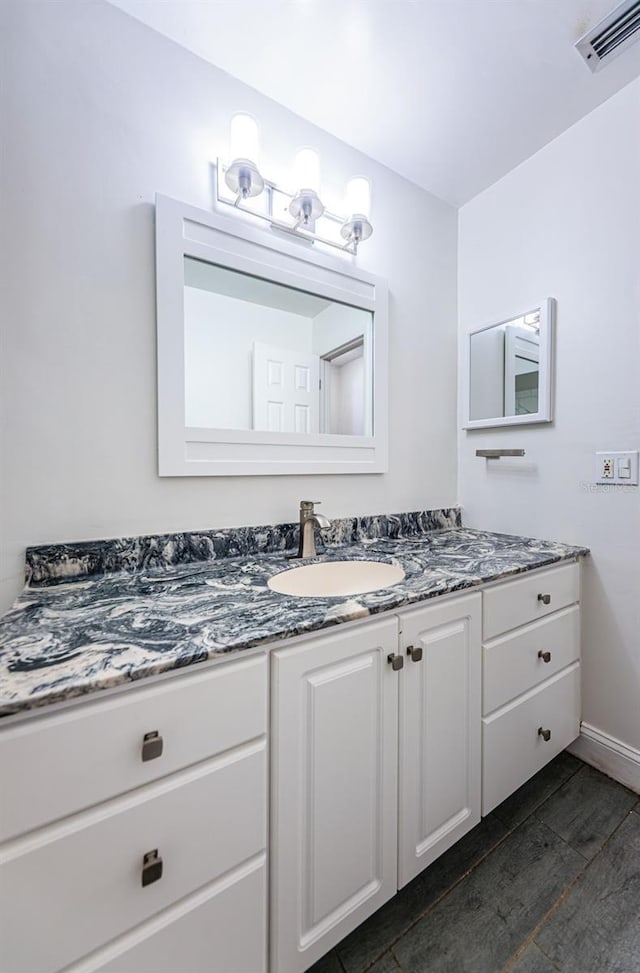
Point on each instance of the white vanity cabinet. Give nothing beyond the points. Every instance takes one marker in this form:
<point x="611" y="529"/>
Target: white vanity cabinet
<point x="133" y="827"/>
<point x="531" y="677"/>
<point x="354" y="714"/>
<point x="135" y="830"/>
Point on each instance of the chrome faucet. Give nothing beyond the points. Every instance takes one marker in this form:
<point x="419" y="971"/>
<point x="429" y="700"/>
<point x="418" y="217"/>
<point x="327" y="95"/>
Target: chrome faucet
<point x="309" y="519"/>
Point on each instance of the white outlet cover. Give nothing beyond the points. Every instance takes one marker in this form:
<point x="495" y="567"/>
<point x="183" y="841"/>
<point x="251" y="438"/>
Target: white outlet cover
<point x="615" y="456"/>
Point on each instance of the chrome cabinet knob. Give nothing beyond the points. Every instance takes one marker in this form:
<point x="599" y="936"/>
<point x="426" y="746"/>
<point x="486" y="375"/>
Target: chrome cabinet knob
<point x="545" y="599"/>
<point x="545" y="656"/>
<point x="152" y="746"/>
<point x="395" y="661"/>
<point x="545" y="734"/>
<point x="415" y="652"/>
<point x="151" y="868"/>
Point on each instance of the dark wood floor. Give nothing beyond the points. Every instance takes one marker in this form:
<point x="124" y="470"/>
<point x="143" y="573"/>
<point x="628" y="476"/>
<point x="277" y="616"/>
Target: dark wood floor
<point x="548" y="882"/>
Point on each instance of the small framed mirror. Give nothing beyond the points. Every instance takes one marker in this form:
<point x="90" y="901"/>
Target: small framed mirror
<point x="272" y="358"/>
<point x="508" y="370"/>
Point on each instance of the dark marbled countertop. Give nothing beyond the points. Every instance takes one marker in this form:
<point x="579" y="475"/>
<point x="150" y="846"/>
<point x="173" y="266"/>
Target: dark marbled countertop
<point x="66" y="640"/>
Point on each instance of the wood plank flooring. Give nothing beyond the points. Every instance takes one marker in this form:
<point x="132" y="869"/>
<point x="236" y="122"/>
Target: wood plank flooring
<point x="549" y="882"/>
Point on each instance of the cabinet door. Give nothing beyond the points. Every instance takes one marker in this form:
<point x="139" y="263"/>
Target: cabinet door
<point x="440" y="730"/>
<point x="334" y="789"/>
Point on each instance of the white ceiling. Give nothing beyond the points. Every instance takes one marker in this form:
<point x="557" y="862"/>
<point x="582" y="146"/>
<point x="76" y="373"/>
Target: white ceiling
<point x="451" y="94"/>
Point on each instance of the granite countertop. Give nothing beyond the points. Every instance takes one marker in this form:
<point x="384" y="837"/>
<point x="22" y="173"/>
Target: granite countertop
<point x="122" y="617"/>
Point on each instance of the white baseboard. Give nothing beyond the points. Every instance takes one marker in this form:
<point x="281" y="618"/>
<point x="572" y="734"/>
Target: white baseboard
<point x="611" y="756"/>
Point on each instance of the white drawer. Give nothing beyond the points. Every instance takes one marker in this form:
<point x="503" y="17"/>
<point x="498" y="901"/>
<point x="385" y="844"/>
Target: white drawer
<point x="221" y="929"/>
<point x="93" y="751"/>
<point x="518" y="602"/>
<point x="513" y="750"/>
<point x="514" y="663"/>
<point x="70" y="888"/>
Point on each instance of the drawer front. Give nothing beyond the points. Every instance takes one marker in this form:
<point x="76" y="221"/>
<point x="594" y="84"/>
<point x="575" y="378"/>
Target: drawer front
<point x="221" y="929"/>
<point x="518" y="602"/>
<point x="79" y="884"/>
<point x="94" y="751"/>
<point x="523" y="659"/>
<point x="512" y="749"/>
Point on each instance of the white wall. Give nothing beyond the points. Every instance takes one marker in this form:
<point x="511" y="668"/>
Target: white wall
<point x="98" y="114"/>
<point x="566" y="224"/>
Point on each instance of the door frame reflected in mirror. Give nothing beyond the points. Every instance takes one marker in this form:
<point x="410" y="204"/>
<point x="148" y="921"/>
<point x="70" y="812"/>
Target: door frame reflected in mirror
<point x="185" y="231"/>
<point x="547" y="313"/>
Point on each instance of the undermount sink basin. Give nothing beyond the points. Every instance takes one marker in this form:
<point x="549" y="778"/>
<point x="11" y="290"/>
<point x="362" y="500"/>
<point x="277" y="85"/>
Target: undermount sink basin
<point x="332" y="578"/>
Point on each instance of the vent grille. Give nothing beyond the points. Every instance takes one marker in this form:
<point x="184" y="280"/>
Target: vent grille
<point x="611" y="36"/>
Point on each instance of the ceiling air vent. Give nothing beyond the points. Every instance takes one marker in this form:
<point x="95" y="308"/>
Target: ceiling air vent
<point x="611" y="36"/>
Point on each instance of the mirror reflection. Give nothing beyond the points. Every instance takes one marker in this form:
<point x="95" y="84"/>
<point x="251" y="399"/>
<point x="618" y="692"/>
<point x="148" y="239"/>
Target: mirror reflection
<point x="262" y="356"/>
<point x="504" y="374"/>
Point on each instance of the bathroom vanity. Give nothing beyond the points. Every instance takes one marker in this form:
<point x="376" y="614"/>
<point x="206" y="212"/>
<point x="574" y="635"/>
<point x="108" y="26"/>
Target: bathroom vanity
<point x="164" y="824"/>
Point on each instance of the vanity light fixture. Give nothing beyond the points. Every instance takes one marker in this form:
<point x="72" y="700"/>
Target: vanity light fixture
<point x="301" y="212"/>
<point x="243" y="176"/>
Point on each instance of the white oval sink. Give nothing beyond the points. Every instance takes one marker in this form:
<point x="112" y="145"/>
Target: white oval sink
<point x="332" y="578"/>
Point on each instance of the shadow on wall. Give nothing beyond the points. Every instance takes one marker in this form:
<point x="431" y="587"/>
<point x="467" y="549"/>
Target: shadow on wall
<point x="511" y="468"/>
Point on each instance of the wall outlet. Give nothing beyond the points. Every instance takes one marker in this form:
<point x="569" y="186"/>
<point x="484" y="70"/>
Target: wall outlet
<point x="617" y="467"/>
<point x="606" y="467"/>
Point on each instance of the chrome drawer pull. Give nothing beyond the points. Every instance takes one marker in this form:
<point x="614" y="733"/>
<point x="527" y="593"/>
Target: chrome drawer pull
<point x="152" y="745"/>
<point x="151" y="867"/>
<point x="415" y="651"/>
<point x="395" y="661"/>
<point x="545" y="734"/>
<point x="545" y="599"/>
<point x="545" y="656"/>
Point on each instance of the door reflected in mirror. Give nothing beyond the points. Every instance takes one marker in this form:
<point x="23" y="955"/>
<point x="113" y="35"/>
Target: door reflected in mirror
<point x="265" y="357"/>
<point x="509" y="366"/>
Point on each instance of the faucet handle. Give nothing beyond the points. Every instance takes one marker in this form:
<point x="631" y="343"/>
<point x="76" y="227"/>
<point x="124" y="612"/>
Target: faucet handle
<point x="309" y="504"/>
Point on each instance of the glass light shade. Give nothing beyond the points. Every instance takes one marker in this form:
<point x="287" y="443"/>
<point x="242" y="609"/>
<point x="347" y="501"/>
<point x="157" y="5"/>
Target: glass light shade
<point x="306" y="170"/>
<point x="243" y="138"/>
<point x="358" y="197"/>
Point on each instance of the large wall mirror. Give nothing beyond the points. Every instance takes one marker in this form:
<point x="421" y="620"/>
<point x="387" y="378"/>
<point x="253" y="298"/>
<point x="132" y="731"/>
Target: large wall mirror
<point x="272" y="358"/>
<point x="266" y="357"/>
<point x="508" y="370"/>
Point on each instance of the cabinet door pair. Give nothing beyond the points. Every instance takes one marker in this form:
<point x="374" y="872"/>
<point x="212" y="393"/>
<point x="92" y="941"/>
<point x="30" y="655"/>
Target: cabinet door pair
<point x="375" y="768"/>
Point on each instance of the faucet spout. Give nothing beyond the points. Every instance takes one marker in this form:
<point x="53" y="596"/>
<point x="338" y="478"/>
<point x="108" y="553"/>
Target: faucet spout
<point x="309" y="519"/>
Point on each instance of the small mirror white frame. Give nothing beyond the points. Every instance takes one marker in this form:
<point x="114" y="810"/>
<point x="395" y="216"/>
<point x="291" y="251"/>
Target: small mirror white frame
<point x="184" y="231"/>
<point x="505" y="374"/>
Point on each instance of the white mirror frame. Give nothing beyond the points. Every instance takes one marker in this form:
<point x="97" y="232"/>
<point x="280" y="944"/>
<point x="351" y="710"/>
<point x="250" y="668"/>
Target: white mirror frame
<point x="545" y="372"/>
<point x="183" y="230"/>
